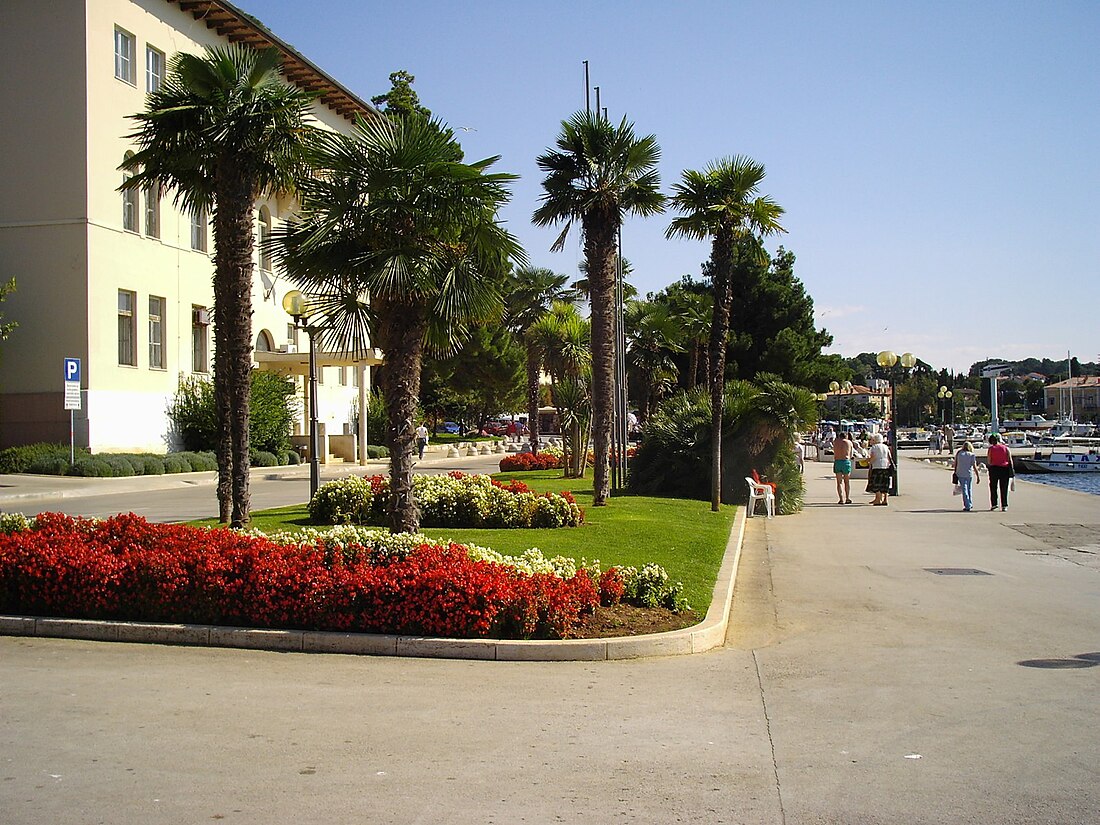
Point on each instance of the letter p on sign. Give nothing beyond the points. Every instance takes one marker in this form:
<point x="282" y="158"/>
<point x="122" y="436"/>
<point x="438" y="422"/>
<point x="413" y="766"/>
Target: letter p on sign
<point x="72" y="369"/>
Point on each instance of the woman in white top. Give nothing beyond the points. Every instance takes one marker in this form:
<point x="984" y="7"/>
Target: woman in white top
<point x="967" y="471"/>
<point x="879" y="475"/>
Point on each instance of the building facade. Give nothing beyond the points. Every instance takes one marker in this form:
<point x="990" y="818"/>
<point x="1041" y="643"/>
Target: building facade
<point x="122" y="281"/>
<point x="1077" y="398"/>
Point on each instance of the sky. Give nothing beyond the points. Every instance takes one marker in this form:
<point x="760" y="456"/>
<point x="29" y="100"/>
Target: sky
<point x="939" y="162"/>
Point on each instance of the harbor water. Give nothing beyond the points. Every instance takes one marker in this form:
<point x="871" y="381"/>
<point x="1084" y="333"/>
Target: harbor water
<point x="1082" y="482"/>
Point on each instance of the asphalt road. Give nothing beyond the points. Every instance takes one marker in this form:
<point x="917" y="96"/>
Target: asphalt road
<point x="857" y="686"/>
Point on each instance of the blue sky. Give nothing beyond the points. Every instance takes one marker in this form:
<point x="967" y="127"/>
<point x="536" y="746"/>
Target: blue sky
<point x="939" y="163"/>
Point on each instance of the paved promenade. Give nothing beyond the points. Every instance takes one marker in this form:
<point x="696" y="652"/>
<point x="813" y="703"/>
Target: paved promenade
<point x="856" y="686"/>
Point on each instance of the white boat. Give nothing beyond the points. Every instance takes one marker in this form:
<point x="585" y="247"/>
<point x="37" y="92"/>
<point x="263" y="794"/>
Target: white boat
<point x="1060" y="461"/>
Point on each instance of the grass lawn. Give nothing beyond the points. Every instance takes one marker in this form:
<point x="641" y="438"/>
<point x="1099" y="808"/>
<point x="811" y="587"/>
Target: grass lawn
<point x="682" y="536"/>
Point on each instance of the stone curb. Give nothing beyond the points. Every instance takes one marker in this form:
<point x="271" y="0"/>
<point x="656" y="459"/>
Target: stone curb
<point x="708" y="634"/>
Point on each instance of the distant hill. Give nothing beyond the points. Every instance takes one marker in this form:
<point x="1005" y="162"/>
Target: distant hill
<point x="1053" y="370"/>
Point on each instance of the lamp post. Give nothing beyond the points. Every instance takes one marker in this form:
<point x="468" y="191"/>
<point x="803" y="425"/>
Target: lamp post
<point x="297" y="307"/>
<point x="891" y="362"/>
<point x="945" y="398"/>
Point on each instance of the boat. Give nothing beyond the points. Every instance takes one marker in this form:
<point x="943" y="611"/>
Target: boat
<point x="1060" y="462"/>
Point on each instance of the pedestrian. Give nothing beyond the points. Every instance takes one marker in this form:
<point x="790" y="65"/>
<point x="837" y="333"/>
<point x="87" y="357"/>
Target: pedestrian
<point x="879" y="474"/>
<point x="421" y="439"/>
<point x="949" y="435"/>
<point x="842" y="468"/>
<point x="967" y="472"/>
<point x="1001" y="472"/>
<point x="799" y="454"/>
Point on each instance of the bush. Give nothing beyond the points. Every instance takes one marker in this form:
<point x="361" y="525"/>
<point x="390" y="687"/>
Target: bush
<point x="273" y="406"/>
<point x="292" y="457"/>
<point x="200" y="462"/>
<point x="519" y="462"/>
<point x="173" y="463"/>
<point x="92" y="467"/>
<point x="377" y="451"/>
<point x="19" y="459"/>
<point x="128" y="569"/>
<point x="153" y="465"/>
<point x="262" y="458"/>
<point x="50" y="466"/>
<point x="454" y="500"/>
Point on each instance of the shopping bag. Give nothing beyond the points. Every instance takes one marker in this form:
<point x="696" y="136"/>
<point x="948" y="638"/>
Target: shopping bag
<point x="958" y="491"/>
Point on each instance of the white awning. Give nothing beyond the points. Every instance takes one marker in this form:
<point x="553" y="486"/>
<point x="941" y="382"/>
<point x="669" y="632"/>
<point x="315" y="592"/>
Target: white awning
<point x="297" y="363"/>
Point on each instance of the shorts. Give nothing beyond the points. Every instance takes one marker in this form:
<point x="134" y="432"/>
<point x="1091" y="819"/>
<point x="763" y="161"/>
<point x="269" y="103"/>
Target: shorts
<point x="842" y="467"/>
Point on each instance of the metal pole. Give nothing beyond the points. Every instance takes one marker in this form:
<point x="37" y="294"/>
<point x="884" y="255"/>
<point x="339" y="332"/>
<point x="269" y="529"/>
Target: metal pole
<point x="314" y="462"/>
<point x="587" y="91"/>
<point x="597" y="100"/>
<point x="894" y="431"/>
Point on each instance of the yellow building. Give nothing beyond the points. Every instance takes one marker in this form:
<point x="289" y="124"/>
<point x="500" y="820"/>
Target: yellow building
<point x="123" y="281"/>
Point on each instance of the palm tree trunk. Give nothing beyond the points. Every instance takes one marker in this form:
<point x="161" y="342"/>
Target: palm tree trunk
<point x="533" y="364"/>
<point x="401" y="330"/>
<point x="600" y="227"/>
<point x="233" y="336"/>
<point x="721" y="257"/>
<point x="693" y="365"/>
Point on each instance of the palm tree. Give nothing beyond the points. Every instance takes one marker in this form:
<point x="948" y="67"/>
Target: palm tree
<point x="583" y="290"/>
<point x="721" y="204"/>
<point x="563" y="340"/>
<point x="531" y="293"/>
<point x="222" y="130"/>
<point x="597" y="173"/>
<point x="651" y="339"/>
<point x="694" y="312"/>
<point x="394" y="218"/>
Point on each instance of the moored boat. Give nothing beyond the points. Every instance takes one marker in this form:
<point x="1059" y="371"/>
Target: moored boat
<point x="1059" y="461"/>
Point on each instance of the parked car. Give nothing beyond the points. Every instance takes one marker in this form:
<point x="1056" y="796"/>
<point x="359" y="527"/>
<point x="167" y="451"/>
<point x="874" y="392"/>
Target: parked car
<point x="451" y="428"/>
<point x="494" y="428"/>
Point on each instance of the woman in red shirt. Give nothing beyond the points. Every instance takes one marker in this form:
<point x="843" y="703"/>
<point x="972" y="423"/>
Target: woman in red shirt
<point x="999" y="461"/>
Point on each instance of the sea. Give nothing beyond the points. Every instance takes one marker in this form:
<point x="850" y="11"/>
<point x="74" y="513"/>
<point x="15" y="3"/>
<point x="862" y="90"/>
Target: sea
<point x="1082" y="482"/>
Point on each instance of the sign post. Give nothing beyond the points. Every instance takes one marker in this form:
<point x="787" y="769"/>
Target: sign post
<point x="72" y="401"/>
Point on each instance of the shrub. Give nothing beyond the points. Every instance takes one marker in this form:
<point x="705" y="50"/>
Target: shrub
<point x="49" y="466"/>
<point x="92" y="467"/>
<point x="173" y="463"/>
<point x="376" y="451"/>
<point x="200" y="462"/>
<point x="153" y="465"/>
<point x="262" y="458"/>
<point x="126" y="568"/>
<point x="19" y="459"/>
<point x="519" y="462"/>
<point x="454" y="500"/>
<point x="273" y="407"/>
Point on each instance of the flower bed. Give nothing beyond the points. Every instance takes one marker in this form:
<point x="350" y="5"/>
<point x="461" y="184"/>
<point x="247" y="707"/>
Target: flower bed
<point x="453" y="500"/>
<point x="129" y="569"/>
<point x="548" y="459"/>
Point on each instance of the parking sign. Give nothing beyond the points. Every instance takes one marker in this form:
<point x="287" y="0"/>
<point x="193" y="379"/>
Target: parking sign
<point x="72" y="383"/>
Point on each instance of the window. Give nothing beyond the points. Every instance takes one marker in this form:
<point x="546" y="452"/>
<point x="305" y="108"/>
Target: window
<point x="124" y="56"/>
<point x="129" y="202"/>
<point x="292" y="336"/>
<point x="200" y="320"/>
<point x="355" y="376"/>
<point x="156" y="333"/>
<point x="152" y="211"/>
<point x="263" y="341"/>
<point x="154" y="69"/>
<point x="198" y="231"/>
<point x="342" y="375"/>
<point x="127" y="328"/>
<point x="264" y="233"/>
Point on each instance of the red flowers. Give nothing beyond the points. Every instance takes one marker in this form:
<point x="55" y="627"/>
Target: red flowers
<point x="529" y="461"/>
<point x="127" y="568"/>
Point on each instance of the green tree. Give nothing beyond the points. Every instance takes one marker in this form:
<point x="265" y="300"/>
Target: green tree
<point x="222" y="130"/>
<point x="401" y="99"/>
<point x="484" y="378"/>
<point x="6" y="329"/>
<point x="563" y="339"/>
<point x="597" y="173"/>
<point x="394" y="217"/>
<point x="722" y="204"/>
<point x="652" y="337"/>
<point x="532" y="291"/>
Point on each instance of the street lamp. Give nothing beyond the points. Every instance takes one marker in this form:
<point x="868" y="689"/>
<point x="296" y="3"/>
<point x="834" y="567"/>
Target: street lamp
<point x="297" y="307"/>
<point x="891" y="362"/>
<point x="945" y="397"/>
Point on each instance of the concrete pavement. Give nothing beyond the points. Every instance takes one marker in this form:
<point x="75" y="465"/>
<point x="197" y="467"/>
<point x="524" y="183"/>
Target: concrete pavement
<point x="856" y="686"/>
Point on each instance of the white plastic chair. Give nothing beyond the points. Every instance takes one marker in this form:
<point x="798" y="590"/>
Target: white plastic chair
<point x="760" y="492"/>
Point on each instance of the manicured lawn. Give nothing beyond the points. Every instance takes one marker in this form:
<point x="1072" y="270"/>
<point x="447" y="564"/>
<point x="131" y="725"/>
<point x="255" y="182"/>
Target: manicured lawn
<point x="682" y="536"/>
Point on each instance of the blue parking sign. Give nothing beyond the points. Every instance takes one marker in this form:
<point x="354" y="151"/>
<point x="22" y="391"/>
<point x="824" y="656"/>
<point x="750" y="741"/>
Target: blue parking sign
<point x="72" y="369"/>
